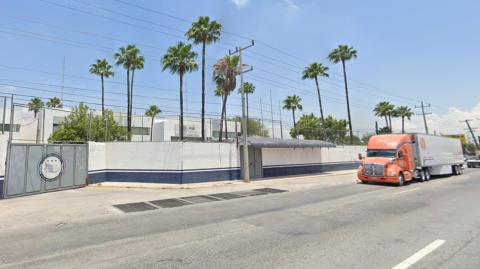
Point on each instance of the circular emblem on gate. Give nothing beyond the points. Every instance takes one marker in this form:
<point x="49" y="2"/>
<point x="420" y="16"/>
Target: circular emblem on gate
<point x="51" y="167"/>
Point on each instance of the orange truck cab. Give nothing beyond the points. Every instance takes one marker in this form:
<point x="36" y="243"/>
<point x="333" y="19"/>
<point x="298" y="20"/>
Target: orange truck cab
<point x="398" y="158"/>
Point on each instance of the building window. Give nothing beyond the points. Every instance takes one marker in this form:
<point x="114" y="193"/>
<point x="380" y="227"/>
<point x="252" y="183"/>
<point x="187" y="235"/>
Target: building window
<point x="140" y="131"/>
<point x="16" y="127"/>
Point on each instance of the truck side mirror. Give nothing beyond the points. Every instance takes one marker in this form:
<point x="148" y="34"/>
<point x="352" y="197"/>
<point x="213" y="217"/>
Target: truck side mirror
<point x="360" y="156"/>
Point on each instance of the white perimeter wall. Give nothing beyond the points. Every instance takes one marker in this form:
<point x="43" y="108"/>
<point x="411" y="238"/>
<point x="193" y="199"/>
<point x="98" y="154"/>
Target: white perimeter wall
<point x="280" y="156"/>
<point x="161" y="155"/>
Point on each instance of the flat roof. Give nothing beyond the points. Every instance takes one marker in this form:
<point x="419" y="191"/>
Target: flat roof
<point x="266" y="142"/>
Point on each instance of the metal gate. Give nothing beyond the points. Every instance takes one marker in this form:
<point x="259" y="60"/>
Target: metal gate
<point x="38" y="168"/>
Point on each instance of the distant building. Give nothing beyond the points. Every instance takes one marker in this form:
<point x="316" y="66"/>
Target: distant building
<point x="164" y="128"/>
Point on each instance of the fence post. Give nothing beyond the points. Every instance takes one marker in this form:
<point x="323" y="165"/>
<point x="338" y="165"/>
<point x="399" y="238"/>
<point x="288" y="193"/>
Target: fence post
<point x="10" y="128"/>
<point x="4" y="111"/>
<point x="89" y="125"/>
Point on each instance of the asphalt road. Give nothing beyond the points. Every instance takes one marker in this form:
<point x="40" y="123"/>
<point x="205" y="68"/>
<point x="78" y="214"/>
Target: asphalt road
<point x="347" y="226"/>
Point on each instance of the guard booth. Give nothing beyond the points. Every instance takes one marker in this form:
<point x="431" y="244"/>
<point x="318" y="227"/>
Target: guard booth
<point x="256" y="155"/>
<point x="38" y="168"/>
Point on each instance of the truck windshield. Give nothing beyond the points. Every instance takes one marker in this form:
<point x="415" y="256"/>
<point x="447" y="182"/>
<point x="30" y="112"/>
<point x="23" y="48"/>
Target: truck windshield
<point x="381" y="153"/>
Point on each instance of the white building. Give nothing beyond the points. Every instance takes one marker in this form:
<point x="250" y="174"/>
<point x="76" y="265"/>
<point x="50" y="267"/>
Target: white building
<point x="27" y="127"/>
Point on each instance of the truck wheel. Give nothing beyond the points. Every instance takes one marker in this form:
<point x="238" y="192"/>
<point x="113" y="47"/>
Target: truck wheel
<point x="427" y="175"/>
<point x="422" y="177"/>
<point x="401" y="180"/>
<point x="455" y="170"/>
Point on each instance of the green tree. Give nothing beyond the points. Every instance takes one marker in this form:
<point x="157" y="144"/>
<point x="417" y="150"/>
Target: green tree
<point x="404" y="112"/>
<point x="314" y="71"/>
<point x="225" y="72"/>
<point x="129" y="58"/>
<point x="342" y="54"/>
<point x="204" y="31"/>
<point x="35" y="105"/>
<point x="103" y="69"/>
<point x="293" y="103"/>
<point x="81" y="126"/>
<point x="248" y="88"/>
<point x="152" y="112"/>
<point x="311" y="127"/>
<point x="54" y="102"/>
<point x="180" y="59"/>
<point x="386" y="110"/>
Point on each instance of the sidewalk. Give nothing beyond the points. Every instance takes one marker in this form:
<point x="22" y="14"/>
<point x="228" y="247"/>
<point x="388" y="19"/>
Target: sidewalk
<point x="95" y="201"/>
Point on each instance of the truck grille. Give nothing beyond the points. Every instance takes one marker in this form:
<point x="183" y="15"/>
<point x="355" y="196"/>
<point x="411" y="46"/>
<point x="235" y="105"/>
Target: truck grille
<point x="374" y="169"/>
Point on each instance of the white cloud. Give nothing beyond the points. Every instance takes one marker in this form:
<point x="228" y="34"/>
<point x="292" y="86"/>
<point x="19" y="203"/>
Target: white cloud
<point x="240" y="3"/>
<point x="291" y="4"/>
<point x="448" y="123"/>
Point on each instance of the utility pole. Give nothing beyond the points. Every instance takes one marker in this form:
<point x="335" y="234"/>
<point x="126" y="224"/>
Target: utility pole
<point x="271" y="113"/>
<point x="261" y="111"/>
<point x="422" y="106"/>
<point x="63" y="79"/>
<point x="281" y="126"/>
<point x="471" y="132"/>
<point x="246" y="168"/>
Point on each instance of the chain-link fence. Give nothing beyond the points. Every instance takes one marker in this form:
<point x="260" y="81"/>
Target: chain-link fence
<point x="34" y="123"/>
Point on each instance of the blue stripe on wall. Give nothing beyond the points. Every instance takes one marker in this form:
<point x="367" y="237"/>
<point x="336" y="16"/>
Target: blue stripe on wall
<point x="170" y="177"/>
<point x="275" y="171"/>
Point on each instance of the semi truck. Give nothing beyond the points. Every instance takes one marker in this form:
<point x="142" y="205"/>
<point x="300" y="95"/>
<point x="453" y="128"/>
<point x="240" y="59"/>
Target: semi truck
<point x="399" y="158"/>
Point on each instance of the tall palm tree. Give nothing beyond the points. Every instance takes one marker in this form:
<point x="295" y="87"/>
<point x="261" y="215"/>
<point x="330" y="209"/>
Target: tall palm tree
<point x="313" y="71"/>
<point x="204" y="32"/>
<point x="180" y="59"/>
<point x="342" y="54"/>
<point x="138" y="63"/>
<point x="404" y="112"/>
<point x="35" y="105"/>
<point x="152" y="112"/>
<point x="128" y="57"/>
<point x="103" y="69"/>
<point x="384" y="109"/>
<point x="293" y="103"/>
<point x="219" y="92"/>
<point x="225" y="73"/>
<point x="54" y="102"/>
<point x="248" y="88"/>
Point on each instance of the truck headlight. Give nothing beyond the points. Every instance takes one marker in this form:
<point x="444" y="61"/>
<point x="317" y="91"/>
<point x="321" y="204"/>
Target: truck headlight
<point x="392" y="172"/>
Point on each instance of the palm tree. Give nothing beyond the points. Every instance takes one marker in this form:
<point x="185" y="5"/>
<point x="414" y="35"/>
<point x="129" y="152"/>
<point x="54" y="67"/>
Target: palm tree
<point x="103" y="69"/>
<point x="180" y="59"/>
<point x="129" y="58"/>
<point x="35" y="105"/>
<point x="313" y="71"/>
<point x="54" y="102"/>
<point x="204" y="32"/>
<point x="293" y="103"/>
<point x="225" y="73"/>
<point x="404" y="112"/>
<point x="342" y="54"/>
<point x="152" y="112"/>
<point x="219" y="92"/>
<point x="385" y="109"/>
<point x="248" y="88"/>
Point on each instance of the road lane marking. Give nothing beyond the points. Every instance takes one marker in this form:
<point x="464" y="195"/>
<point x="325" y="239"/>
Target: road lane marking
<point x="400" y="192"/>
<point x="419" y="254"/>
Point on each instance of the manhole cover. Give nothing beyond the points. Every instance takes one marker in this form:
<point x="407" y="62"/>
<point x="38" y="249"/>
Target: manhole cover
<point x="135" y="207"/>
<point x="270" y="190"/>
<point x="226" y="196"/>
<point x="169" y="203"/>
<point x="249" y="193"/>
<point x="199" y="199"/>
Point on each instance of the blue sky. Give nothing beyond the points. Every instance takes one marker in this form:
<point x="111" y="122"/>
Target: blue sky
<point x="408" y="51"/>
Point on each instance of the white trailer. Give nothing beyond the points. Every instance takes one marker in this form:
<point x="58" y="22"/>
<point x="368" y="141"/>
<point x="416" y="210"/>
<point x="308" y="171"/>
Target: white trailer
<point x="438" y="155"/>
